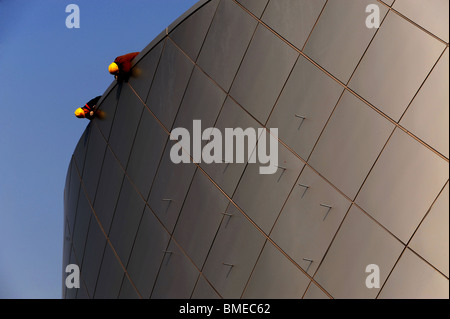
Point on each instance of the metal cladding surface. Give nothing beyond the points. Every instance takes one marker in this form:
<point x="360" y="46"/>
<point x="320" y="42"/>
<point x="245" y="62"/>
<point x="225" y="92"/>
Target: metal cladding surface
<point x="358" y="204"/>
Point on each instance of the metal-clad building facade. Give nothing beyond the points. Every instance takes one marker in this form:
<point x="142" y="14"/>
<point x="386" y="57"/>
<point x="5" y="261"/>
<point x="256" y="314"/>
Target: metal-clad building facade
<point x="362" y="119"/>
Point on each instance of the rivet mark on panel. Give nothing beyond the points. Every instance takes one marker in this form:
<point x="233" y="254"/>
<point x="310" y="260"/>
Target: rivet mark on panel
<point x="306" y="187"/>
<point x="328" y="210"/>
<point x="302" y="120"/>
<point x="167" y="252"/>
<point x="283" y="171"/>
<point x="229" y="217"/>
<point x="231" y="266"/>
<point x="310" y="263"/>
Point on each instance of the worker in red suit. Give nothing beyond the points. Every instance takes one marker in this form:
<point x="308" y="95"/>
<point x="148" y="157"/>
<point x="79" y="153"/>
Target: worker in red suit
<point x="88" y="111"/>
<point x="121" y="67"/>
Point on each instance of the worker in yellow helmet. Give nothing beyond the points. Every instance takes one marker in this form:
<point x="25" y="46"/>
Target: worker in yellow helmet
<point x="88" y="111"/>
<point x="113" y="68"/>
<point x="121" y="67"/>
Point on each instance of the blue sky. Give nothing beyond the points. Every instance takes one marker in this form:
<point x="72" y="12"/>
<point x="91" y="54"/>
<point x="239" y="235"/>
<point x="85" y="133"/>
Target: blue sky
<point x="46" y="72"/>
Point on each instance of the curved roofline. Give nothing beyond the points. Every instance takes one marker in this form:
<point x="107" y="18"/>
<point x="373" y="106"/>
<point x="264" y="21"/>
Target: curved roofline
<point x="197" y="6"/>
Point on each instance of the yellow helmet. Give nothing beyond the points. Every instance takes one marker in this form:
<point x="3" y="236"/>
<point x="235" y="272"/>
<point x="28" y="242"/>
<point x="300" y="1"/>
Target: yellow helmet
<point x="79" y="112"/>
<point x="113" y="68"/>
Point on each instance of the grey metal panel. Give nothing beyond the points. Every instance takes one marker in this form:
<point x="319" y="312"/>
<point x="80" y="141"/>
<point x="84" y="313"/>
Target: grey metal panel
<point x="95" y="246"/>
<point x="264" y="71"/>
<point x="147" y="150"/>
<point x="80" y="231"/>
<point x="285" y="279"/>
<point x="340" y="37"/>
<point x="293" y="19"/>
<point x="127" y="290"/>
<point x="190" y="34"/>
<point x="143" y="71"/>
<point x="177" y="275"/>
<point x="264" y="202"/>
<point x="413" y="278"/>
<point x="197" y="6"/>
<point x="343" y="271"/>
<point x="227" y="175"/>
<point x="109" y="185"/>
<point x="94" y="160"/>
<point x="315" y="292"/>
<point x="170" y="188"/>
<point x="395" y="65"/>
<point x="157" y="40"/>
<point x="304" y="107"/>
<point x="203" y="290"/>
<point x="202" y="101"/>
<point x="408" y="177"/>
<point x="82" y="292"/>
<point x="74" y="190"/>
<point x="148" y="252"/>
<point x="226" y="42"/>
<point x="233" y="255"/>
<point x="169" y="84"/>
<point x="428" y="115"/>
<point x="200" y="218"/>
<point x="350" y="144"/>
<point x="110" y="276"/>
<point x="125" y="223"/>
<point x="79" y="154"/>
<point x="307" y="225"/>
<point x="111" y="86"/>
<point x="124" y="128"/>
<point x="431" y="240"/>
<point x="432" y="15"/>
<point x="254" y="6"/>
<point x="107" y="106"/>
<point x="66" y="193"/>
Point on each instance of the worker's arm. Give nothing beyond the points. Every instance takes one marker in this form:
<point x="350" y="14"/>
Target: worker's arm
<point x="93" y="102"/>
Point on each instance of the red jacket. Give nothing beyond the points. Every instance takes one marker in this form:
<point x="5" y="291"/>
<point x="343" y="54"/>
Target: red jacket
<point x="124" y="63"/>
